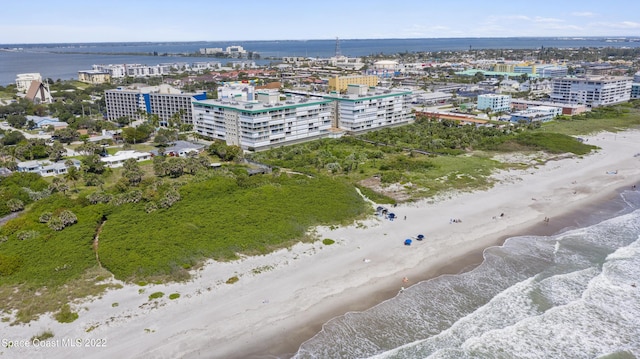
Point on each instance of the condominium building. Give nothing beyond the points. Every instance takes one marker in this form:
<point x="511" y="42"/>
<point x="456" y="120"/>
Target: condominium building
<point x="494" y="102"/>
<point x="551" y="71"/>
<point x="23" y="81"/>
<point x="94" y="76"/>
<point x="340" y="83"/>
<point x="268" y="122"/>
<point x="137" y="103"/>
<point x="364" y="108"/>
<point x="591" y="91"/>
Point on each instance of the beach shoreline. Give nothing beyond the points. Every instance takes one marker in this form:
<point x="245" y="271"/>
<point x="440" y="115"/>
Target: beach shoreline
<point x="283" y="298"/>
<point x="466" y="262"/>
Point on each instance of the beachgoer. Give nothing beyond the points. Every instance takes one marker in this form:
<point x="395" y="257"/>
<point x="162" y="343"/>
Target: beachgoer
<point x="405" y="218"/>
<point x="405" y="280"/>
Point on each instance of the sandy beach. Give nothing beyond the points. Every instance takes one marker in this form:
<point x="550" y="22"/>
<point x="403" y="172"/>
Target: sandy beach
<point x="283" y="298"/>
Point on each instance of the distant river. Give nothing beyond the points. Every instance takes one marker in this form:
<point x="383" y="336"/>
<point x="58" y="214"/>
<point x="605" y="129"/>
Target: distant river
<point x="63" y="61"/>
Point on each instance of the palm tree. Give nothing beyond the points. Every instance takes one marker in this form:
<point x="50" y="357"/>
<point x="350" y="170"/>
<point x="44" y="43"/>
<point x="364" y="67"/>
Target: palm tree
<point x="72" y="174"/>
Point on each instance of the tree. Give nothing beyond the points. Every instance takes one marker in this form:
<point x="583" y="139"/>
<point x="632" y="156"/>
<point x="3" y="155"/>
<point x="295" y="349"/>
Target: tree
<point x="137" y="134"/>
<point x="17" y="121"/>
<point x="66" y="135"/>
<point x="72" y="174"/>
<point x="478" y="77"/>
<point x="123" y="121"/>
<point x="56" y="151"/>
<point x="90" y="148"/>
<point x="92" y="164"/>
<point x="12" y="138"/>
<point x="132" y="171"/>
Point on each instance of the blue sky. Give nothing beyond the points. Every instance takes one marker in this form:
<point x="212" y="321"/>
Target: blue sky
<point x="54" y="21"/>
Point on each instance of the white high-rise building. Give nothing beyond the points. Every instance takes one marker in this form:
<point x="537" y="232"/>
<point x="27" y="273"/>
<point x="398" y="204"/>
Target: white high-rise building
<point x="591" y="91"/>
<point x="268" y="122"/>
<point x="365" y="108"/>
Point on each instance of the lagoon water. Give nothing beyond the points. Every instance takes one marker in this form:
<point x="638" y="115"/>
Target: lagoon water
<point x="571" y="295"/>
<point x="63" y="61"/>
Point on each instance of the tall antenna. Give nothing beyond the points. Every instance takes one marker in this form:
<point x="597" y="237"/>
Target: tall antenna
<point x="338" y="54"/>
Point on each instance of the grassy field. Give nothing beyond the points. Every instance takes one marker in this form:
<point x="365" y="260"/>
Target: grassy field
<point x="612" y="119"/>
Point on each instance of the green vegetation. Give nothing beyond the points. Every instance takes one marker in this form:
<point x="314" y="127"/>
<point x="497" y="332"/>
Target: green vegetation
<point x="156" y="295"/>
<point x="328" y="241"/>
<point x="65" y="315"/>
<point x="47" y="334"/>
<point x="220" y="218"/>
<point x="611" y="119"/>
<point x="160" y="218"/>
<point x="173" y="296"/>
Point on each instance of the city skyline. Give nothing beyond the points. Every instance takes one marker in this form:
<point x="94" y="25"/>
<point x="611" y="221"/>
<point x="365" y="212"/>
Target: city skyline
<point x="38" y="21"/>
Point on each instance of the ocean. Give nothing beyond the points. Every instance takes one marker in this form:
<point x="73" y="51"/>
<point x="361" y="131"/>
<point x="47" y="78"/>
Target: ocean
<point x="63" y="61"/>
<point x="575" y="294"/>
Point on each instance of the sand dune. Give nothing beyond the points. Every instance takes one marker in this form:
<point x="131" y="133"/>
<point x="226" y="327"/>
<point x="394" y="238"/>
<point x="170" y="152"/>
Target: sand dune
<point x="282" y="299"/>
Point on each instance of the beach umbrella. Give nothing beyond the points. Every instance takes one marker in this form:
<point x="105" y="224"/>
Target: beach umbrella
<point x="420" y="237"/>
<point x="407" y="242"/>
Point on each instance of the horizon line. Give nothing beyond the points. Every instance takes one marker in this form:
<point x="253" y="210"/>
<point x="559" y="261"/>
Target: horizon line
<point x="337" y="38"/>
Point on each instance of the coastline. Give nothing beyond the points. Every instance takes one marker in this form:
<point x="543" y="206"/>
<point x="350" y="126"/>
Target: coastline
<point x="457" y="265"/>
<point x="283" y="298"/>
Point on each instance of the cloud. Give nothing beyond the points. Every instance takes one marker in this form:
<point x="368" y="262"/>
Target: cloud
<point x="583" y="14"/>
<point x="619" y="25"/>
<point x="547" y="19"/>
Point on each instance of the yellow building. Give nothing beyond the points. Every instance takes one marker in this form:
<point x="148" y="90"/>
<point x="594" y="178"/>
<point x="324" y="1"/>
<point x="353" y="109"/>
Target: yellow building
<point x="503" y="67"/>
<point x="94" y="77"/>
<point x="340" y="83"/>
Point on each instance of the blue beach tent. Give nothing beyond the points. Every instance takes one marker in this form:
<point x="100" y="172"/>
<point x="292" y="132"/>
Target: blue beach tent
<point x="407" y="242"/>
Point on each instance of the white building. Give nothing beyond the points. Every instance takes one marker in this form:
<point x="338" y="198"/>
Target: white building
<point x="270" y="121"/>
<point x="591" y="91"/>
<point x="364" y="108"/>
<point x="136" y="103"/>
<point x="23" y="81"/>
<point x="45" y="167"/>
<point x="536" y="114"/>
<point x="235" y="51"/>
<point x="118" y="159"/>
<point x="236" y="92"/>
<point x="497" y="103"/>
<point x="551" y="71"/>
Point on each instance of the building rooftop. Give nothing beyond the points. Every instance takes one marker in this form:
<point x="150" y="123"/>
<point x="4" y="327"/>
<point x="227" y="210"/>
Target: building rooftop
<point x="257" y="106"/>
